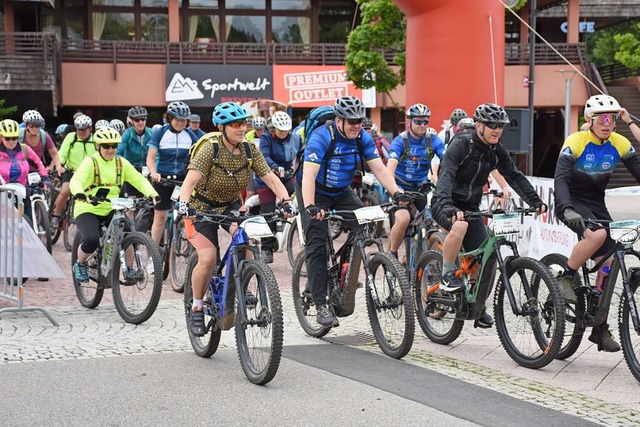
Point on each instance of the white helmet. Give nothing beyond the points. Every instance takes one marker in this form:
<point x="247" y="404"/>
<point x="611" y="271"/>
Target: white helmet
<point x="259" y="123"/>
<point x="118" y="125"/>
<point x="598" y="104"/>
<point x="102" y="123"/>
<point x="32" y="116"/>
<point x="281" y="121"/>
<point x="83" y="122"/>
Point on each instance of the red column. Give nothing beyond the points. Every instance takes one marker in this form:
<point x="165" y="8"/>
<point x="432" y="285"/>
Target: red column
<point x="449" y="54"/>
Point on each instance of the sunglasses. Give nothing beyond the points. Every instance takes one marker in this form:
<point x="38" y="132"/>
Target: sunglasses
<point x="236" y="125"/>
<point x="420" y="122"/>
<point x="141" y="119"/>
<point x="354" y="122"/>
<point x="10" y="138"/>
<point x="33" y="125"/>
<point x="109" y="146"/>
<point x="603" y="119"/>
<point x="495" y="126"/>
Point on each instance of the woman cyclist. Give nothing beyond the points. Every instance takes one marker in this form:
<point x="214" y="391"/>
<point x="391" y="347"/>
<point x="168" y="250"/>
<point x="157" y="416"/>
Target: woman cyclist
<point x="118" y="125"/>
<point x="100" y="170"/>
<point x="135" y="144"/>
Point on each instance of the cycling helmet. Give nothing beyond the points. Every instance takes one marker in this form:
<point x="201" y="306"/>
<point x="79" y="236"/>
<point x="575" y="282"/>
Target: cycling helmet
<point x="457" y="115"/>
<point x="349" y="107"/>
<point x="9" y="128"/>
<point x="418" y="110"/>
<point x="102" y="123"/>
<point x="228" y="112"/>
<point x="41" y="122"/>
<point x="281" y="121"/>
<point x="465" y="123"/>
<point x="156" y="127"/>
<point x="107" y="135"/>
<point x="432" y="131"/>
<point x="367" y="123"/>
<point x="598" y="104"/>
<point x="117" y="124"/>
<point x="76" y="115"/>
<point x="62" y="129"/>
<point x="491" y="113"/>
<point x="194" y="118"/>
<point x="83" y="122"/>
<point x="32" y="116"/>
<point x="137" y="113"/>
<point x="259" y="123"/>
<point x="179" y="110"/>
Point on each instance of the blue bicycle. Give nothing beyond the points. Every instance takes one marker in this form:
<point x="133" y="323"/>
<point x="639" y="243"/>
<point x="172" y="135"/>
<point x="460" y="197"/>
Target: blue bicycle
<point x="250" y="288"/>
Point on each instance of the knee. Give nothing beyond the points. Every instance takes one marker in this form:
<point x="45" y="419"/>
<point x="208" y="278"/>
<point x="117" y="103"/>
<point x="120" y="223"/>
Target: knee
<point x="459" y="228"/>
<point x="89" y="245"/>
<point x="597" y="237"/>
<point x="401" y="218"/>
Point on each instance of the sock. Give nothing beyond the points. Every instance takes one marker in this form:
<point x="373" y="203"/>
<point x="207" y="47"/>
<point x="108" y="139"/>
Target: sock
<point x="197" y="303"/>
<point x="448" y="267"/>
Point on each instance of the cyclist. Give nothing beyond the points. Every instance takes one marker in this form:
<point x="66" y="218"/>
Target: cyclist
<point x="171" y="145"/>
<point x="101" y="170"/>
<point x="465" y="169"/>
<point x="102" y="123"/>
<point x="586" y="162"/>
<point x="118" y="125"/>
<point x="410" y="161"/>
<point x="216" y="185"/>
<point x="194" y="125"/>
<point x="446" y="134"/>
<point x="259" y="127"/>
<point x="76" y="146"/>
<point x="135" y="144"/>
<point x="60" y="133"/>
<point x="331" y="156"/>
<point x="279" y="150"/>
<point x="34" y="136"/>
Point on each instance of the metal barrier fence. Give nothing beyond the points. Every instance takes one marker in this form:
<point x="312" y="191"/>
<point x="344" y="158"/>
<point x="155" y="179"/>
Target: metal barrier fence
<point x="11" y="245"/>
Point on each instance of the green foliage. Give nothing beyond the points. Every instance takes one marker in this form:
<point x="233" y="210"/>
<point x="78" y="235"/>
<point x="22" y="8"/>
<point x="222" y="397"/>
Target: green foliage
<point x="6" y="111"/>
<point x="620" y="43"/>
<point x="383" y="27"/>
<point x="628" y="53"/>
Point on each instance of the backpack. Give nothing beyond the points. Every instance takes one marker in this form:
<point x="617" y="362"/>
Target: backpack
<point x="97" y="180"/>
<point x="407" y="145"/>
<point x="43" y="138"/>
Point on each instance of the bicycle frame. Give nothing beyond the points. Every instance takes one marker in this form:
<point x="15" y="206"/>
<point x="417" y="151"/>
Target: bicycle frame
<point x="115" y="229"/>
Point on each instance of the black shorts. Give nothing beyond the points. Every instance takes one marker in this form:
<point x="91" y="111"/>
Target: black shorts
<point x="210" y="230"/>
<point x="592" y="211"/>
<point x="477" y="231"/>
<point x="66" y="176"/>
<point x="129" y="190"/>
<point x="165" y="191"/>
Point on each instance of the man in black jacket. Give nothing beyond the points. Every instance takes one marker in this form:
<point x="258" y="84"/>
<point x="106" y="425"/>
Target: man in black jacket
<point x="463" y="173"/>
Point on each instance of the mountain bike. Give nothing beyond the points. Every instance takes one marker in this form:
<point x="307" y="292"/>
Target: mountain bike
<point x="592" y="304"/>
<point x="39" y="210"/>
<point x="246" y="289"/>
<point x="529" y="323"/>
<point x="119" y="263"/>
<point x="387" y="291"/>
<point x="67" y="227"/>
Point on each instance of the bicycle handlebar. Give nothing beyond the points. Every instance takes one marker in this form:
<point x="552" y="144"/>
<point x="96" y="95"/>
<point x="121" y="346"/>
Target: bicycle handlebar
<point x="491" y="214"/>
<point x="237" y="216"/>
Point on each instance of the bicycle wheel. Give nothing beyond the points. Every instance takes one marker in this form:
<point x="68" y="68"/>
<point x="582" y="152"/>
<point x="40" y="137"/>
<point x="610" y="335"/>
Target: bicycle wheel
<point x="179" y="254"/>
<point x="41" y="223"/>
<point x="295" y="245"/>
<point x="206" y="345"/>
<point x="259" y="339"/>
<point x="89" y="293"/>
<point x="389" y="306"/>
<point x="376" y="227"/>
<point x="69" y="232"/>
<point x="435" y="241"/>
<point x="533" y="335"/>
<point x="136" y="294"/>
<point x="303" y="301"/>
<point x="628" y="336"/>
<point x="557" y="264"/>
<point x="437" y="319"/>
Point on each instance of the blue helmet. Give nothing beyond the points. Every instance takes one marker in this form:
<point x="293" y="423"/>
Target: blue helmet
<point x="228" y="112"/>
<point x="179" y="110"/>
<point x="62" y="129"/>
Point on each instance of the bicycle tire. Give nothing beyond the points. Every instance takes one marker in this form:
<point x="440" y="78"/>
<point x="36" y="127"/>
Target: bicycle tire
<point x="135" y="300"/>
<point x="377" y="227"/>
<point x="294" y="245"/>
<point x="68" y="234"/>
<point x="392" y="318"/>
<point x="435" y="241"/>
<point x="303" y="301"/>
<point x="178" y="259"/>
<point x="628" y="335"/>
<point x="542" y="348"/>
<point x="165" y="251"/>
<point x="206" y="345"/>
<point x="557" y="263"/>
<point x="55" y="234"/>
<point x="41" y="223"/>
<point x="259" y="340"/>
<point x="437" y="321"/>
<point x="89" y="293"/>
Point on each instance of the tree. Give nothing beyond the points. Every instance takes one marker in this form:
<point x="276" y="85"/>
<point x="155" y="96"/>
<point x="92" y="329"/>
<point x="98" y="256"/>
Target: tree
<point x="619" y="43"/>
<point x="383" y="28"/>
<point x="6" y="111"/>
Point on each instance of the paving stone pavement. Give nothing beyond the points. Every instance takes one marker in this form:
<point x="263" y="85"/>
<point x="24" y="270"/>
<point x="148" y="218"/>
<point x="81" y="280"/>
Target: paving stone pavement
<point x="595" y="386"/>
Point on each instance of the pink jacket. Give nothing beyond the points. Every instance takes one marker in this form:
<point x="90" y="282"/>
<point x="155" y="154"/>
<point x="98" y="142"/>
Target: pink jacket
<point x="8" y="158"/>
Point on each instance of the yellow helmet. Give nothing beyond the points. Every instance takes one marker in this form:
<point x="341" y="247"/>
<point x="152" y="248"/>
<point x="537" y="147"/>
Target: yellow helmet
<point x="107" y="135"/>
<point x="9" y="128"/>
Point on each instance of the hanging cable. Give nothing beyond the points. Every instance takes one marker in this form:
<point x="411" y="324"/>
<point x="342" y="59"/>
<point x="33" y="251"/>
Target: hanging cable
<point x="493" y="62"/>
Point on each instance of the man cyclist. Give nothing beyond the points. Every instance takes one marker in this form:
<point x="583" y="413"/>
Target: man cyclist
<point x="214" y="180"/>
<point x="326" y="185"/>
<point x="194" y="125"/>
<point x="464" y="171"/>
<point x="76" y="146"/>
<point x="410" y="161"/>
<point x="586" y="162"/>
<point x="446" y="134"/>
<point x="100" y="170"/>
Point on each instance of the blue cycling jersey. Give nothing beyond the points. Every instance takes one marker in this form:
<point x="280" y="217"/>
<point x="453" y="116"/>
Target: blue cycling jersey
<point x="413" y="167"/>
<point x="173" y="149"/>
<point x="340" y="168"/>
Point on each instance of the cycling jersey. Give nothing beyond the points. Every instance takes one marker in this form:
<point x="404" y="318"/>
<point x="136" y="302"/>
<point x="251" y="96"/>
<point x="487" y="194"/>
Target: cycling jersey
<point x="134" y="147"/>
<point x="84" y="178"/>
<point x="278" y="152"/>
<point x="14" y="166"/>
<point x="73" y="150"/>
<point x="173" y="149"/>
<point x="585" y="166"/>
<point x="413" y="166"/>
<point x="340" y="167"/>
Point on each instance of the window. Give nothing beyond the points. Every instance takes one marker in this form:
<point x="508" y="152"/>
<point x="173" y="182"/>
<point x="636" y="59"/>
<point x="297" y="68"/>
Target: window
<point x="246" y="4"/>
<point x="113" y="26"/>
<point x="290" y="29"/>
<point x="204" y="28"/>
<point x="290" y="4"/>
<point x="247" y="29"/>
<point x="154" y="26"/>
<point x="335" y="21"/>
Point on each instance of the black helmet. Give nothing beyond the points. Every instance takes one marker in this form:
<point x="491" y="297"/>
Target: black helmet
<point x="491" y="113"/>
<point x="349" y="107"/>
<point x="137" y="112"/>
<point x="456" y="115"/>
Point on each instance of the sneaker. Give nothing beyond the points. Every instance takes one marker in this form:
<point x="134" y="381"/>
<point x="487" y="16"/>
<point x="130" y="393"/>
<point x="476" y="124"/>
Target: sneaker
<point x="451" y="283"/>
<point x="55" y="222"/>
<point x="250" y="299"/>
<point x="150" y="267"/>
<point x="601" y="335"/>
<point x="197" y="321"/>
<point x="436" y="314"/>
<point x="484" y="322"/>
<point x="129" y="275"/>
<point x="326" y="317"/>
<point x="228" y="320"/>
<point x="566" y="288"/>
<point x="81" y="272"/>
<point x="266" y="256"/>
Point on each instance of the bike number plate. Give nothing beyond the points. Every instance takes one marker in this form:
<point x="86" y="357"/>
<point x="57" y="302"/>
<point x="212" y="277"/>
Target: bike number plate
<point x="370" y="214"/>
<point x="33" y="178"/>
<point x="176" y="193"/>
<point x="121" y="203"/>
<point x="625" y="231"/>
<point x="256" y="228"/>
<point x="506" y="224"/>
